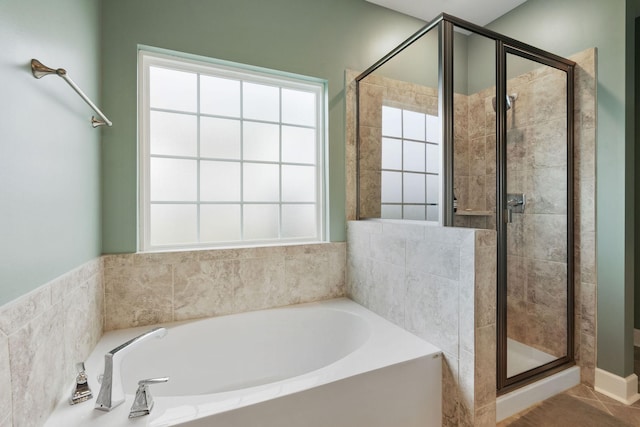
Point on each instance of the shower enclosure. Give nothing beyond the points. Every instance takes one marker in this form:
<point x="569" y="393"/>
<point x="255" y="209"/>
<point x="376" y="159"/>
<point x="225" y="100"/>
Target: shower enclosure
<point x="464" y="127"/>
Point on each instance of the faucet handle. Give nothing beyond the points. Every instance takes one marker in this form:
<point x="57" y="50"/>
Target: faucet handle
<point x="81" y="391"/>
<point x="143" y="402"/>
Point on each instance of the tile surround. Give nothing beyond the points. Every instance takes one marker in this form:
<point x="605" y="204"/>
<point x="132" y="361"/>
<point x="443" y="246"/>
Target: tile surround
<point x="144" y="289"/>
<point x="43" y="335"/>
<point x="449" y="302"/>
<point x="46" y="332"/>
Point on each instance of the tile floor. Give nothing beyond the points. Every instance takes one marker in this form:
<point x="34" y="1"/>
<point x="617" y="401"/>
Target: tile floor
<point x="566" y="409"/>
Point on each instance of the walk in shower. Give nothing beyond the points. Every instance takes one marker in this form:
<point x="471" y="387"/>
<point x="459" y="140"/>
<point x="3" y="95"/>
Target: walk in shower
<point x="461" y="126"/>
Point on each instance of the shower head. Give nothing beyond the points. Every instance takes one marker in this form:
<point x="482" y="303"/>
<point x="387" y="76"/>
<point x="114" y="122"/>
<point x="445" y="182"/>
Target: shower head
<point x="510" y="100"/>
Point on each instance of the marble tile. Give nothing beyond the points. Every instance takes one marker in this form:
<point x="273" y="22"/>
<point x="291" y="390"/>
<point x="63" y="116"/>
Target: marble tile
<point x="477" y="161"/>
<point x="466" y="384"/>
<point x="549" y="191"/>
<point x="37" y="367"/>
<point x="6" y="420"/>
<point x="485" y="286"/>
<point x="388" y="248"/>
<point x="262" y="282"/>
<point x="477" y="193"/>
<point x="138" y="295"/>
<point x="485" y="366"/>
<point x="434" y="258"/>
<point x="432" y="309"/>
<point x="548" y="144"/>
<point x="19" y="312"/>
<point x="5" y="378"/>
<point x="450" y="391"/>
<point x="83" y="320"/>
<point x="164" y="258"/>
<point x="485" y="416"/>
<point x="547" y="283"/>
<point x="314" y="277"/>
<point x="549" y="241"/>
<point x="204" y="289"/>
<point x="388" y="292"/>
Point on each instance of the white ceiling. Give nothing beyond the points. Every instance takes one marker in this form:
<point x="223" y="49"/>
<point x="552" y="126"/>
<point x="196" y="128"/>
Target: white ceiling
<point x="480" y="12"/>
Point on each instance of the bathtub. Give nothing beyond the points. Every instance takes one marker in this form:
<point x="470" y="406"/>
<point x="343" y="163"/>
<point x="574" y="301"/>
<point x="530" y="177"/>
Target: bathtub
<point x="331" y="363"/>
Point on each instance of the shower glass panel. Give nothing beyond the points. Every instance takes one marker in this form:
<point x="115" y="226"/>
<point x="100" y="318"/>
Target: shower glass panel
<point x="399" y="136"/>
<point x="536" y="215"/>
<point x="474" y="130"/>
<point x="465" y="127"/>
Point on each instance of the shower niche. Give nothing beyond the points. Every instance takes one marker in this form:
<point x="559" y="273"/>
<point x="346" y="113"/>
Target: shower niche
<point x="461" y="126"/>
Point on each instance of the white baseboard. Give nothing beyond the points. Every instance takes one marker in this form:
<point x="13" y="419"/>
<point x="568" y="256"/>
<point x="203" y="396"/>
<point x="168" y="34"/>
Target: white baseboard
<point x="636" y="337"/>
<point x="623" y="390"/>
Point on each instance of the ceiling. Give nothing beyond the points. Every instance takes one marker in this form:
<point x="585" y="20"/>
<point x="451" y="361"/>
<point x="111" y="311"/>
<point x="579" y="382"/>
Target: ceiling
<point x="480" y="12"/>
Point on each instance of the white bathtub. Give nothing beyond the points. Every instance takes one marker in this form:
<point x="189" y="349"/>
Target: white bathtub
<point x="331" y="363"/>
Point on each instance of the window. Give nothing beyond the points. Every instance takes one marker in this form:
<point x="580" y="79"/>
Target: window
<point x="410" y="169"/>
<point x="230" y="155"/>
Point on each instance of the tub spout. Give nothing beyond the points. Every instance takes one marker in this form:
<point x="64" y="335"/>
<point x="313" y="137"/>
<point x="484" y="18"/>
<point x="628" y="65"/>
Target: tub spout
<point x="111" y="390"/>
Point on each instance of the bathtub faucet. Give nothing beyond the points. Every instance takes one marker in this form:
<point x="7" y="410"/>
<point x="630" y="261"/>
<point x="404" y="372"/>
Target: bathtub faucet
<point x="111" y="390"/>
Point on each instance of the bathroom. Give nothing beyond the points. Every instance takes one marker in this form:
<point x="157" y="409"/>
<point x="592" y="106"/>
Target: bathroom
<point x="87" y="233"/>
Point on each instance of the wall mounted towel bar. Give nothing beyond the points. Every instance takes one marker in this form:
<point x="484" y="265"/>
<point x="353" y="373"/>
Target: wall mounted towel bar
<point x="40" y="71"/>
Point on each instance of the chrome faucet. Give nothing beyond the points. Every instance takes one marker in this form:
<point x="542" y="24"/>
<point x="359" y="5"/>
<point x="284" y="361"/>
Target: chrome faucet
<point x="111" y="390"/>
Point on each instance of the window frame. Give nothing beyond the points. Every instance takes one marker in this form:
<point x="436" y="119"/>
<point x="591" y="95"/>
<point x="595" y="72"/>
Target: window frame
<point x="150" y="57"/>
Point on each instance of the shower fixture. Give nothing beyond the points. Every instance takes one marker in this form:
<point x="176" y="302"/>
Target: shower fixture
<point x="510" y="100"/>
<point x="39" y="70"/>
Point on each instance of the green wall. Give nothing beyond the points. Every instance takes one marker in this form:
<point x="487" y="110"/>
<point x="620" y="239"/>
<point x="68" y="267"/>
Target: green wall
<point x="49" y="154"/>
<point x="315" y="38"/>
<point x="566" y="27"/>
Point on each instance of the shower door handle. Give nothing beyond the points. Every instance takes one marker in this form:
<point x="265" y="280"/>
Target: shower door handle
<point x="515" y="204"/>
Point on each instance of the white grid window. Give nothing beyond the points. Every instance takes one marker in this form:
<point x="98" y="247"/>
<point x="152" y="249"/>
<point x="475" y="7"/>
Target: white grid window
<point x="229" y="155"/>
<point x="410" y="172"/>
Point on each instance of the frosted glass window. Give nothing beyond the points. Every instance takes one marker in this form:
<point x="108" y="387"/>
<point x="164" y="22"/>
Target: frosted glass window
<point x="220" y="223"/>
<point x="433" y="129"/>
<point x="391" y="211"/>
<point x="173" y="224"/>
<point x="413" y="125"/>
<point x="220" y="138"/>
<point x="173" y="180"/>
<point x="260" y="102"/>
<point x="391" y="190"/>
<point x="298" y="183"/>
<point x="433" y="158"/>
<point x="298" y="107"/>
<point x="298" y="145"/>
<point x="433" y="188"/>
<point x="415" y="212"/>
<point x="261" y="182"/>
<point x="391" y="153"/>
<point x="392" y="122"/>
<point x="220" y="181"/>
<point x="261" y="222"/>
<point x="173" y="89"/>
<point x="219" y="97"/>
<point x="414" y="188"/>
<point x="173" y="134"/>
<point x="228" y="154"/>
<point x="261" y="141"/>
<point x="414" y="156"/>
<point x="298" y="221"/>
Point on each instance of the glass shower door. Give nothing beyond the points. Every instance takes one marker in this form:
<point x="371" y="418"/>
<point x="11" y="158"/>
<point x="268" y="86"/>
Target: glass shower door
<point x="536" y="211"/>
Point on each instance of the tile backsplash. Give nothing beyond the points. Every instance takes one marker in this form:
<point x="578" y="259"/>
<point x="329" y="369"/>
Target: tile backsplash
<point x="144" y="289"/>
